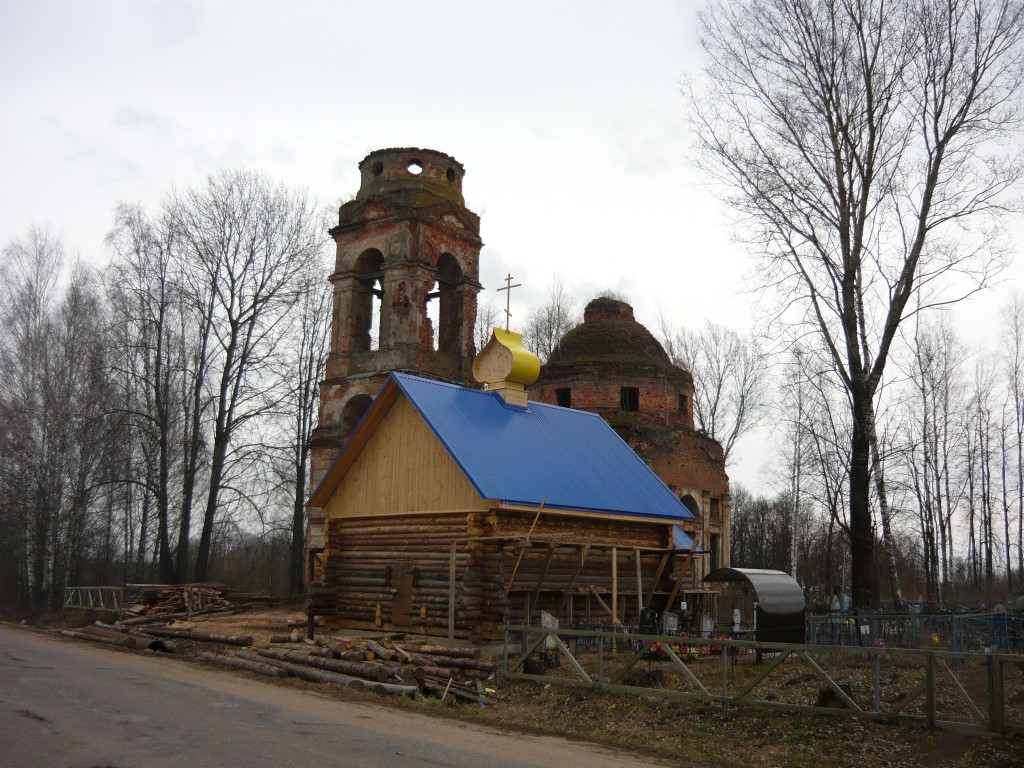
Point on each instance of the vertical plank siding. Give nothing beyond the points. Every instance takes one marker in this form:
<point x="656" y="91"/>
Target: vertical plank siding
<point x="403" y="467"/>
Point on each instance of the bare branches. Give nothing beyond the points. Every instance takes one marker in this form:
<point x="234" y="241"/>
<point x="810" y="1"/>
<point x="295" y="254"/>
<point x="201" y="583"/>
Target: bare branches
<point x="730" y="388"/>
<point x="547" y="324"/>
<point x="861" y="143"/>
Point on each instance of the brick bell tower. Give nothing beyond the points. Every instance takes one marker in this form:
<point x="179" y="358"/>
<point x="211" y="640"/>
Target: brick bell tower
<point x="406" y="278"/>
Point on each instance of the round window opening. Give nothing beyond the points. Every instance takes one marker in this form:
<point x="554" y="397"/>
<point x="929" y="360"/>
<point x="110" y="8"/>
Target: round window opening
<point x="415" y="167"/>
<point x="450" y="175"/>
<point x="378" y="168"/>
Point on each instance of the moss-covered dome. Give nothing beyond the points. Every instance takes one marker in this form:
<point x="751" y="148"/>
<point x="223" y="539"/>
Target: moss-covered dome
<point x="609" y="333"/>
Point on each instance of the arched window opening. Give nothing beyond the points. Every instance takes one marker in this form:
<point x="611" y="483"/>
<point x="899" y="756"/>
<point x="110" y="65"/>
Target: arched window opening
<point x="432" y="314"/>
<point x="691" y="504"/>
<point x="353" y="412"/>
<point x="450" y="312"/>
<point x="367" y="302"/>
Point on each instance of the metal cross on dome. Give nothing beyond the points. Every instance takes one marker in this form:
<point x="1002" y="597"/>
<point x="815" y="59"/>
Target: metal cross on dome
<point x="508" y="297"/>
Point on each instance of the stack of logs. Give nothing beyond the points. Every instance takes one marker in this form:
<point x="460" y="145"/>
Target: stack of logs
<point x="382" y="667"/>
<point x="126" y="635"/>
<point x="159" y="599"/>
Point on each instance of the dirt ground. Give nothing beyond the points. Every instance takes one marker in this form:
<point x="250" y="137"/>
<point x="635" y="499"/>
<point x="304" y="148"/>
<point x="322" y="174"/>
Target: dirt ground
<point x="677" y="730"/>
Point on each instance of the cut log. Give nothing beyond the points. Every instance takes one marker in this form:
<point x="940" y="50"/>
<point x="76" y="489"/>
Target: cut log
<point x="353" y="668"/>
<point x="443" y="650"/>
<point x="447" y="661"/>
<point x="355" y="655"/>
<point x="379" y="650"/>
<point x="429" y="671"/>
<point x="331" y="646"/>
<point x="202" y="636"/>
<point x="152" y="619"/>
<point x="78" y="635"/>
<point x="319" y="676"/>
<point x="222" y="660"/>
<point x="136" y="642"/>
<point x="450" y="688"/>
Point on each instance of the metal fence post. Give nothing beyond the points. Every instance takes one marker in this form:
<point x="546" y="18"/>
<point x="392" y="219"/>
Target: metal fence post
<point x="996" y="702"/>
<point x="725" y="677"/>
<point x="929" y="676"/>
<point x="878" y="682"/>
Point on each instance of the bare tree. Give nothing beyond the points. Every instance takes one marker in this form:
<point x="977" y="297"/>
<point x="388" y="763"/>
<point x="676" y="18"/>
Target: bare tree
<point x="310" y="336"/>
<point x="860" y="141"/>
<point x="983" y="423"/>
<point x="1012" y="339"/>
<point x="730" y="379"/>
<point x="31" y="269"/>
<point x="488" y="317"/>
<point x="143" y="290"/>
<point x="547" y="324"/>
<point x="245" y="243"/>
<point x="934" y="428"/>
<point x="56" y="427"/>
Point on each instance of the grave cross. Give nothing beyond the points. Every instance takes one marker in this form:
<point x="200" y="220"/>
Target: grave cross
<point x="508" y="296"/>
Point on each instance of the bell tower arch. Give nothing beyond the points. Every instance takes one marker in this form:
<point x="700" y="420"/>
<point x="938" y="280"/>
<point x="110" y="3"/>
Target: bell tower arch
<point x="406" y="278"/>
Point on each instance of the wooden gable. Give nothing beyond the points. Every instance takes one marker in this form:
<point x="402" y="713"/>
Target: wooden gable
<point x="400" y="468"/>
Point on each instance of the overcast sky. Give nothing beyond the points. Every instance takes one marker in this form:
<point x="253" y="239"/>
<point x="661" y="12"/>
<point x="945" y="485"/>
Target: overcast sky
<point x="566" y="115"/>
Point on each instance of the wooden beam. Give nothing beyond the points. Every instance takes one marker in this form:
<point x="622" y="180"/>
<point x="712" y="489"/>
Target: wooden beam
<point x="675" y="590"/>
<point x="501" y="506"/>
<point x="615" y="583"/>
<point x="567" y="594"/>
<point x="639" y="585"/>
<point x="519" y="560"/>
<point x="657" y="577"/>
<point x="604" y="605"/>
<point x="543" y="572"/>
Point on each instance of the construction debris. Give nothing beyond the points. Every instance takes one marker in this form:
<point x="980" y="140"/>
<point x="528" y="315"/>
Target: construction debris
<point x="185" y="599"/>
<point x="304" y="672"/>
<point x="379" y="663"/>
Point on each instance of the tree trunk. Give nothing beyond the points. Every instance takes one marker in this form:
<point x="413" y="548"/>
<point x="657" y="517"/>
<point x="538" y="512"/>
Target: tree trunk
<point x="890" y="542"/>
<point x="862" y="538"/>
<point x="297" y="560"/>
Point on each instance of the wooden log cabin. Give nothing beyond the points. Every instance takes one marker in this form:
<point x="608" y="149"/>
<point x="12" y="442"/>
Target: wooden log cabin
<point x="452" y="510"/>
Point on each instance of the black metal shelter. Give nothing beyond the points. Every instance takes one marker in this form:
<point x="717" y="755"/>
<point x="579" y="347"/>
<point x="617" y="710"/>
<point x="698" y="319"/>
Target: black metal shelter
<point x="779" y="609"/>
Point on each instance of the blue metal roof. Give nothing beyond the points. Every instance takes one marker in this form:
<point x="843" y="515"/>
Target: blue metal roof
<point x="570" y="459"/>
<point x="682" y="540"/>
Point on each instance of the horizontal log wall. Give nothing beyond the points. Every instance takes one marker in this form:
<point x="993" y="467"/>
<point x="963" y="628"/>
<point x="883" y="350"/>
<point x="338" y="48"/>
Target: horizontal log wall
<point x="551" y="564"/>
<point x="364" y="555"/>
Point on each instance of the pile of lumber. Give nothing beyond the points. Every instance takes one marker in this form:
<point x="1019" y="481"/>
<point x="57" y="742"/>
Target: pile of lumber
<point x="380" y="666"/>
<point x="180" y="599"/>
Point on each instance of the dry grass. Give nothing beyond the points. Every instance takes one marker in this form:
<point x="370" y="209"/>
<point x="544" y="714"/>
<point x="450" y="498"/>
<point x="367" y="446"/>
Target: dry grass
<point x="682" y="732"/>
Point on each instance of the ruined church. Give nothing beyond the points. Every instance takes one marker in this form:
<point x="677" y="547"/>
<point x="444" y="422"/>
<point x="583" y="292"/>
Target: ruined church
<point x="454" y="492"/>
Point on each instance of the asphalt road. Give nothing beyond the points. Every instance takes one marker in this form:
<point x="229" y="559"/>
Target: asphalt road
<point x="66" y="704"/>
